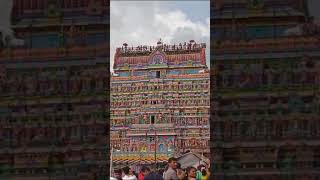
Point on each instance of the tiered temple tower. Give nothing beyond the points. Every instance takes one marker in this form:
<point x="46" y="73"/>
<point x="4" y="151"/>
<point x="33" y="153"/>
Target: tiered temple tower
<point x="265" y="112"/>
<point x="53" y="91"/>
<point x="159" y="102"/>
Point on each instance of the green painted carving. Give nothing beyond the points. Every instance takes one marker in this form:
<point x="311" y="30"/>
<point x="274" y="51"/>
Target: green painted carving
<point x="296" y="103"/>
<point x="287" y="163"/>
<point x="255" y="4"/>
<point x="4" y="171"/>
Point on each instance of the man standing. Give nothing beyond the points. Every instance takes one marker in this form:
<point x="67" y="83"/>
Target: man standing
<point x="180" y="173"/>
<point x="153" y="175"/>
<point x="144" y="172"/>
<point x="118" y="174"/>
<point x="171" y="173"/>
<point x="128" y="176"/>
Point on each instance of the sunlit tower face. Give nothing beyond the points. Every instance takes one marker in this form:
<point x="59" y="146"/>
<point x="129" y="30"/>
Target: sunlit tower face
<point x="159" y="79"/>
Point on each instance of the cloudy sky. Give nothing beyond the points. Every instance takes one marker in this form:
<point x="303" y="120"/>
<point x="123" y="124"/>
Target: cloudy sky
<point x="314" y="6"/>
<point x="5" y="13"/>
<point x="145" y="22"/>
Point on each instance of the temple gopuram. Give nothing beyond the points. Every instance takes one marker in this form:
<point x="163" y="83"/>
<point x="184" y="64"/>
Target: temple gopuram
<point x="159" y="103"/>
<point x="53" y="90"/>
<point x="265" y="109"/>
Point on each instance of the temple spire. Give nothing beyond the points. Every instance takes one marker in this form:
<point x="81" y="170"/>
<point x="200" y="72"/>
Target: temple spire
<point x="159" y="43"/>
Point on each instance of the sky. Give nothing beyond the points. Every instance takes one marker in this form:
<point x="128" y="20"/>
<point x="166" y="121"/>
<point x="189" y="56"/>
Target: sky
<point x="314" y="8"/>
<point x="145" y="22"/>
<point x="5" y="13"/>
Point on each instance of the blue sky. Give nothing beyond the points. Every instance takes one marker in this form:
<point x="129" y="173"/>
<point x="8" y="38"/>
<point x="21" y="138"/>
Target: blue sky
<point x="145" y="22"/>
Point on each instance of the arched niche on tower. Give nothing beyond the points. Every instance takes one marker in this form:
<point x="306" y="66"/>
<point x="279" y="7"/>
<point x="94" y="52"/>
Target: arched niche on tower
<point x="157" y="58"/>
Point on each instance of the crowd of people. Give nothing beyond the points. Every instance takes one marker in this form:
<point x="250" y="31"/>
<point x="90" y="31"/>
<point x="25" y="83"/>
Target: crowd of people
<point x="173" y="171"/>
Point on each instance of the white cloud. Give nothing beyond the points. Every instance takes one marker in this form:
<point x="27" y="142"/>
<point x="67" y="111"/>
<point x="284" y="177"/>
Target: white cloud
<point x="5" y="13"/>
<point x="5" y="16"/>
<point x="5" y="23"/>
<point x="143" y="23"/>
<point x="313" y="6"/>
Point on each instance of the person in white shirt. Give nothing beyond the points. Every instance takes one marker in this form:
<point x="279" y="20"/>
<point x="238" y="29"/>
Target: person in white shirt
<point x="171" y="172"/>
<point x="127" y="176"/>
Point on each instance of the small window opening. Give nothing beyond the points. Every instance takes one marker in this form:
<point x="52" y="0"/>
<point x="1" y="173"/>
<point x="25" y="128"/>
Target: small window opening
<point x="152" y="119"/>
<point x="158" y="74"/>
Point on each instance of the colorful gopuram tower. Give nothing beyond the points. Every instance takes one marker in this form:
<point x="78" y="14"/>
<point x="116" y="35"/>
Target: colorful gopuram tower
<point x="159" y="103"/>
<point x="265" y="109"/>
<point x="53" y="91"/>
